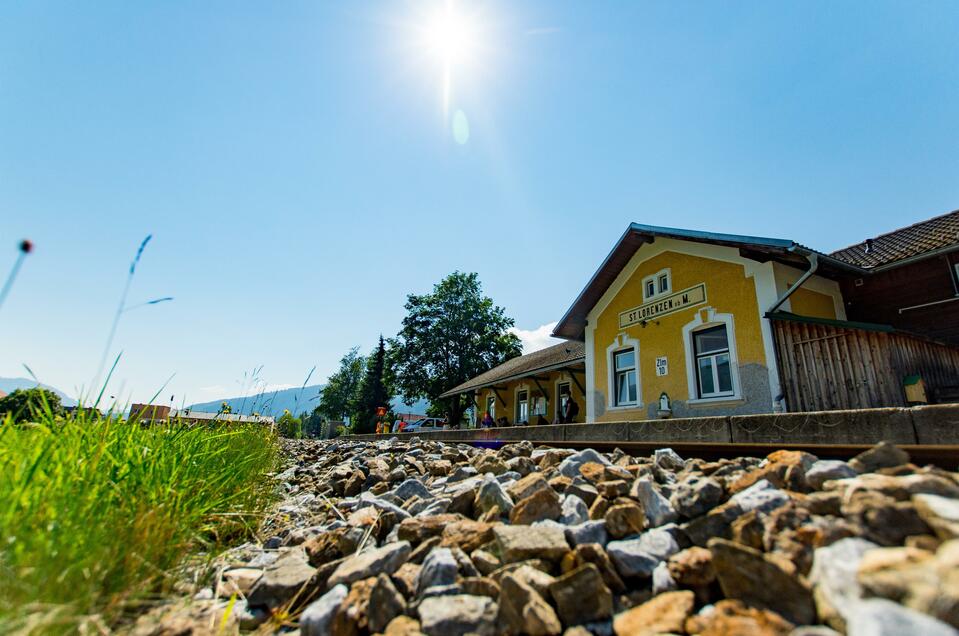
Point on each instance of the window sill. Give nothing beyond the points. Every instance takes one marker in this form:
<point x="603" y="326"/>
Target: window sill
<point x="626" y="407"/>
<point x="713" y="401"/>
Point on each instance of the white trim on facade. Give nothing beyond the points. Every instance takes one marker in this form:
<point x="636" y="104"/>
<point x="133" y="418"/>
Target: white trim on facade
<point x="522" y="386"/>
<point x="764" y="279"/>
<point x="591" y="396"/>
<point x="620" y="342"/>
<point x="712" y="320"/>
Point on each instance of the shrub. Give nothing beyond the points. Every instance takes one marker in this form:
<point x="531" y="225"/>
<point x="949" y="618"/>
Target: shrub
<point x="31" y="404"/>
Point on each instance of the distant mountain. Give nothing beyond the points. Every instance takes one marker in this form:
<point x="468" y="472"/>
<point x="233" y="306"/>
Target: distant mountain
<point x="9" y="385"/>
<point x="294" y="400"/>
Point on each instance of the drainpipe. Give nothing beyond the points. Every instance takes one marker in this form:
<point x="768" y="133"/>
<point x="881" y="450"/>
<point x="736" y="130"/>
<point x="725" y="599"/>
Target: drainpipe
<point x="813" y="259"/>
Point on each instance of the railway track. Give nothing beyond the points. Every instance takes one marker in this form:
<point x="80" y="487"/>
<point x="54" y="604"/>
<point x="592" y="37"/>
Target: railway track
<point x="945" y="456"/>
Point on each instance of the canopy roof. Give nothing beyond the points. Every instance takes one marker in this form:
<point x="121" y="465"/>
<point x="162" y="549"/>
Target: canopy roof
<point x="559" y="356"/>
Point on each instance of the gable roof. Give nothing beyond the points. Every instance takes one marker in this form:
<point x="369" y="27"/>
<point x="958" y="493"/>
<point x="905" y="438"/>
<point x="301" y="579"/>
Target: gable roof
<point x="557" y="356"/>
<point x="573" y="323"/>
<point x="931" y="235"/>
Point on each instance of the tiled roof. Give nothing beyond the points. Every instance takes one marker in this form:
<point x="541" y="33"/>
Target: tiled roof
<point x="560" y="355"/>
<point x="917" y="239"/>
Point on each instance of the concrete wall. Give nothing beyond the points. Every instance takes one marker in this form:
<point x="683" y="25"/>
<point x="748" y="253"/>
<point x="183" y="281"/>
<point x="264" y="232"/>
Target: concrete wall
<point x="938" y="424"/>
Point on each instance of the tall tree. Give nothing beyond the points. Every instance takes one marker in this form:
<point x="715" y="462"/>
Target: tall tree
<point x="373" y="391"/>
<point x="449" y="336"/>
<point x="340" y="396"/>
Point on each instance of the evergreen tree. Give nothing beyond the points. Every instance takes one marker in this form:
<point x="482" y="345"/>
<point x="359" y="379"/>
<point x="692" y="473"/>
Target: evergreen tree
<point x="373" y="391"/>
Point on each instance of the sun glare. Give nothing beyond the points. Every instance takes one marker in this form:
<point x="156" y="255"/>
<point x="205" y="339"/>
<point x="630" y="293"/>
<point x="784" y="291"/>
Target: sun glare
<point x="450" y="36"/>
<point x="451" y="40"/>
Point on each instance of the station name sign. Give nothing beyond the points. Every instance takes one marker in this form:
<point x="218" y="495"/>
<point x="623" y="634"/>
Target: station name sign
<point x="695" y="295"/>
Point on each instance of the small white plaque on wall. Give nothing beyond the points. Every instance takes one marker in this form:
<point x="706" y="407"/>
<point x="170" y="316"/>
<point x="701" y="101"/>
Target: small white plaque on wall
<point x="662" y="366"/>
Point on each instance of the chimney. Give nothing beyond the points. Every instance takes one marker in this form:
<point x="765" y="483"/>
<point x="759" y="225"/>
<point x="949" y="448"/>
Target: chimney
<point x="868" y="246"/>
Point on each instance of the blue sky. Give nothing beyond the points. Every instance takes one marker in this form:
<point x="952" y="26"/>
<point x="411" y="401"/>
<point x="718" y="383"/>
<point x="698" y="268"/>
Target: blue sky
<point x="297" y="170"/>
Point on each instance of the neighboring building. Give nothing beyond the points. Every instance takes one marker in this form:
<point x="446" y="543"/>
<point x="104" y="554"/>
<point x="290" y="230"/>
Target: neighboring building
<point x="717" y="324"/>
<point x="912" y="281"/>
<point x="532" y="386"/>
<point x="159" y="413"/>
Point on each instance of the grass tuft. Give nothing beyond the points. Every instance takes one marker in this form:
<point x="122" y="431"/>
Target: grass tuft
<point x="96" y="513"/>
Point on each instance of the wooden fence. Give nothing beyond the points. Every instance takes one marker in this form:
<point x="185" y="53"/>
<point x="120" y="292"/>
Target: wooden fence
<point x="826" y="367"/>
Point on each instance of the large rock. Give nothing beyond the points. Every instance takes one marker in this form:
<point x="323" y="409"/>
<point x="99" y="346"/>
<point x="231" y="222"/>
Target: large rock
<point x="468" y="535"/>
<point x="582" y="596"/>
<point x="666" y="613"/>
<point x="730" y="617"/>
<point x="573" y="511"/>
<point x="880" y="617"/>
<point x="828" y="469"/>
<point x="387" y="560"/>
<point x="833" y="576"/>
<point x="542" y="504"/>
<point x="638" y="557"/>
<point x="657" y="507"/>
<point x="940" y="513"/>
<point x="523" y="611"/>
<point x="526" y="486"/>
<point x="458" y="614"/>
<point x="570" y="466"/>
<point x="491" y="495"/>
<point x="696" y="495"/>
<point x="587" y="532"/>
<point x="282" y="580"/>
<point x="756" y="579"/>
<point x="411" y="488"/>
<point x="418" y="529"/>
<point x="761" y="496"/>
<point x="918" y="579"/>
<point x="882" y="455"/>
<point x="439" y="568"/>
<point x="625" y="519"/>
<point x="317" y="618"/>
<point x="518" y="543"/>
<point x="386" y="603"/>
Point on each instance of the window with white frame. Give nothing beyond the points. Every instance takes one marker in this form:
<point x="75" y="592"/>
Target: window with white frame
<point x="491" y="406"/>
<point x="624" y="379"/>
<point x="522" y="407"/>
<point x="713" y="366"/>
<point x="539" y="405"/>
<point x="658" y="284"/>
<point x="662" y="283"/>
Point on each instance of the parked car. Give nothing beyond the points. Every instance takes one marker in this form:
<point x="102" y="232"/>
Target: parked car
<point x="425" y="424"/>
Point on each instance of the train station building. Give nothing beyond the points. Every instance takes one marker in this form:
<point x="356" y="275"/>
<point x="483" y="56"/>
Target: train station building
<point x="684" y="323"/>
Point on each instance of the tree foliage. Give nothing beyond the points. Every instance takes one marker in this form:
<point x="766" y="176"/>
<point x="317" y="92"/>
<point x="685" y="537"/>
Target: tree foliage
<point x="289" y="426"/>
<point x="340" y="396"/>
<point x="449" y="336"/>
<point x="373" y="392"/>
<point x="30" y="404"/>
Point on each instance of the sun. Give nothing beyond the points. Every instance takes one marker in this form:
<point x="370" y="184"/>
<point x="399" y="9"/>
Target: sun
<point x="450" y="36"/>
<point x="451" y="39"/>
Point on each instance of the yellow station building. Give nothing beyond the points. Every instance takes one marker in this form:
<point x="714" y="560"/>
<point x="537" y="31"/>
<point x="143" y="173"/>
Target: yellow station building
<point x="683" y="323"/>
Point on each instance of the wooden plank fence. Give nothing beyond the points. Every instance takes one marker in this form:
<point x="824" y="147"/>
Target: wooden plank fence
<point x="826" y="367"/>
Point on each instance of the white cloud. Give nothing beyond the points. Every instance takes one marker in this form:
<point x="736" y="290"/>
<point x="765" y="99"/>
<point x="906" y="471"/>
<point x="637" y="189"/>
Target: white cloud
<point x="536" y="339"/>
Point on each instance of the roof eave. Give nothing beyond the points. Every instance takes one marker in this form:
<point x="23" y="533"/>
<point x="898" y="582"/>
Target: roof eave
<point x="466" y="387"/>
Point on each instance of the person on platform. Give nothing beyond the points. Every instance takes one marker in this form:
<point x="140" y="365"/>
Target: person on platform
<point x="541" y="421"/>
<point x="570" y="411"/>
<point x="487" y="421"/>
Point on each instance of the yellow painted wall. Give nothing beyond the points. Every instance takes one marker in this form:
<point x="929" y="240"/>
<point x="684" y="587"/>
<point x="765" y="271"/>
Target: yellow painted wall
<point x="509" y="396"/>
<point x="806" y="302"/>
<point x="728" y="290"/>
